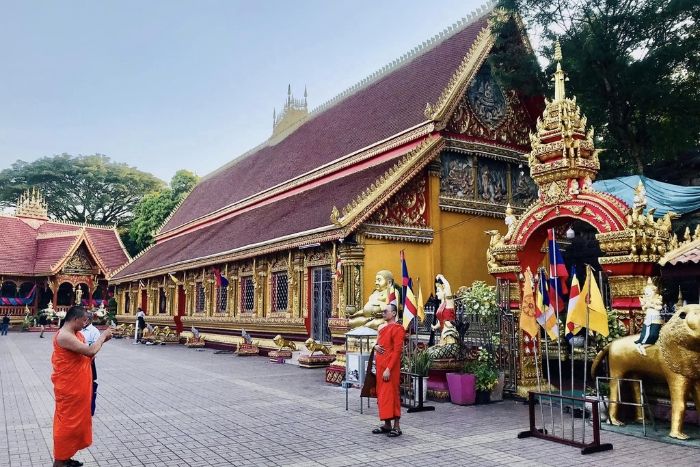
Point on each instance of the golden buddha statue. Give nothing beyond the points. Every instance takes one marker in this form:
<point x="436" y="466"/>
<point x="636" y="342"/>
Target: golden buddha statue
<point x="371" y="314"/>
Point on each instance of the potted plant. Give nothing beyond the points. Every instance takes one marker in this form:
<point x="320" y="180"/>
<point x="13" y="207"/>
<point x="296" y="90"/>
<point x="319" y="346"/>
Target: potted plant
<point x="462" y="385"/>
<point x="486" y="376"/>
<point x="480" y="299"/>
<point x="419" y="364"/>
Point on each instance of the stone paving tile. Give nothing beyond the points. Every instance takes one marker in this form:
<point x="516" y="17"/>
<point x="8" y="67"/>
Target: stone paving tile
<point x="173" y="406"/>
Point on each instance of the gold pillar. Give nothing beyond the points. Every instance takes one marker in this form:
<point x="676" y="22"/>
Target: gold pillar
<point x="259" y="278"/>
<point x="353" y="257"/>
<point x="434" y="176"/>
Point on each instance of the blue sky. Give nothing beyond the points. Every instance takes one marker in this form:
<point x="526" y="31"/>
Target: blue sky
<point x="166" y="85"/>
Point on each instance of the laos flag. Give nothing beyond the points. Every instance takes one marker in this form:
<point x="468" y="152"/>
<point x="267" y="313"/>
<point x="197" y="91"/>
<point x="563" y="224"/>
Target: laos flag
<point x="557" y="273"/>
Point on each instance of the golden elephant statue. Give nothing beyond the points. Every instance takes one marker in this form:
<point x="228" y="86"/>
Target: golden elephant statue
<point x="673" y="359"/>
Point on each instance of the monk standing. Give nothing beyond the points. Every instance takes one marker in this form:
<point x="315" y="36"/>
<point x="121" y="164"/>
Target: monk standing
<point x="388" y="348"/>
<point x="72" y="382"/>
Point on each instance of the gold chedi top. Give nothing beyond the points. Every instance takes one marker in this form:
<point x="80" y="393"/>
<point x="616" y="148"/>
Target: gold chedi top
<point x="31" y="204"/>
<point x="562" y="149"/>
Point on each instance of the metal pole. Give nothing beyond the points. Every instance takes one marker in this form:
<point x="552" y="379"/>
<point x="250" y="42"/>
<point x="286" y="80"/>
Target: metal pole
<point x="549" y="374"/>
<point x="587" y="297"/>
<point x="556" y="313"/>
<point x="539" y="388"/>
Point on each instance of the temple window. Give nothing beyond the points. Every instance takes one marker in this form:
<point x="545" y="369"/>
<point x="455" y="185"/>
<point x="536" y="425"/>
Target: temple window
<point x="9" y="289"/>
<point x="25" y="289"/>
<point x="278" y="290"/>
<point x="247" y="294"/>
<point x="200" y="298"/>
<point x="162" y="301"/>
<point x="221" y="299"/>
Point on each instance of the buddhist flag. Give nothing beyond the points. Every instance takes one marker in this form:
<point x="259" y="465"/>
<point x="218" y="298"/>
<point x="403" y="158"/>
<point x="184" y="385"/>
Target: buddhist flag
<point x="404" y="279"/>
<point x="544" y="311"/>
<point x="421" y="303"/>
<point x="392" y="296"/>
<point x="141" y="285"/>
<point x="557" y="273"/>
<point x="571" y="328"/>
<point x="528" y="317"/>
<point x="410" y="307"/>
<point x="338" y="268"/>
<point x="221" y="281"/>
<point x="593" y="305"/>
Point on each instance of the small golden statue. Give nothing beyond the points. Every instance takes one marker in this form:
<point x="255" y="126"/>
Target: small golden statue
<point x="371" y="314"/>
<point x="651" y="305"/>
<point x="314" y="346"/>
<point x="281" y="343"/>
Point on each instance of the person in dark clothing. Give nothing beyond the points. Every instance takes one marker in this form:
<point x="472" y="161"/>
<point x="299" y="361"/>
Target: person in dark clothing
<point x="5" y="324"/>
<point x="42" y="323"/>
<point x="140" y="323"/>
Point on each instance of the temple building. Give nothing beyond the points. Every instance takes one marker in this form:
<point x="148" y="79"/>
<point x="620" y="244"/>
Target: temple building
<point x="424" y="155"/>
<point x="46" y="261"/>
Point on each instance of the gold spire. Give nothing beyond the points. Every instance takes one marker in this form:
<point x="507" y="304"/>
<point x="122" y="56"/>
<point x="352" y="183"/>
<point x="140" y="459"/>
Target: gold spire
<point x="559" y="77"/>
<point x="32" y="204"/>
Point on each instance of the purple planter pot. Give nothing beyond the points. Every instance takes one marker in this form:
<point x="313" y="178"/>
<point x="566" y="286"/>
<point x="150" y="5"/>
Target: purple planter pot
<point x="462" y="388"/>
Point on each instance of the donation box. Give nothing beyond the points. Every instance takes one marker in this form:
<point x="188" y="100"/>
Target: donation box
<point x="356" y="367"/>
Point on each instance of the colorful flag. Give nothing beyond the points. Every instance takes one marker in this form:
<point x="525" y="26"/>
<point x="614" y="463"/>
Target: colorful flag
<point x="392" y="296"/>
<point x="557" y="273"/>
<point x="221" y="281"/>
<point x="141" y="285"/>
<point x="404" y="279"/>
<point x="338" y="268"/>
<point x="410" y="307"/>
<point x="528" y="317"/>
<point x="421" y="303"/>
<point x="544" y="310"/>
<point x="593" y="306"/>
<point x="571" y="328"/>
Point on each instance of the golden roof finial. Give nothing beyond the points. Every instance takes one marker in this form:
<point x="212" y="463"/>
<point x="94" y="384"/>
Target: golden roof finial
<point x="559" y="77"/>
<point x="32" y="204"/>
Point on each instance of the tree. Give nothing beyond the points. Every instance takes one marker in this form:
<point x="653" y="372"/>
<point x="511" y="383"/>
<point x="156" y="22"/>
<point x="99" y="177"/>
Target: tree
<point x="634" y="66"/>
<point x="81" y="189"/>
<point x="152" y="211"/>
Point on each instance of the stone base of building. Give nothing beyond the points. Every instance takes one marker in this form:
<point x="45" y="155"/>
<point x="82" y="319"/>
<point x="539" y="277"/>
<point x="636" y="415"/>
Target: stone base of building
<point x="246" y="350"/>
<point x="279" y="356"/>
<point x="315" y="361"/>
<point x="335" y="374"/>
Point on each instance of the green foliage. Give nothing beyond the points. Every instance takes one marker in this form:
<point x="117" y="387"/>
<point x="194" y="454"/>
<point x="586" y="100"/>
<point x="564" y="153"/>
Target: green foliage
<point x="81" y="189"/>
<point x="485" y="370"/>
<point x="419" y="363"/>
<point x="633" y="66"/>
<point x="154" y="209"/>
<point x="480" y="299"/>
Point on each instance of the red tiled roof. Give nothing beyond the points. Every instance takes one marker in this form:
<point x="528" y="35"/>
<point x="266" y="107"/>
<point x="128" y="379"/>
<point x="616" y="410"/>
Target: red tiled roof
<point x="35" y="247"/>
<point x="262" y="224"/>
<point x="386" y="107"/>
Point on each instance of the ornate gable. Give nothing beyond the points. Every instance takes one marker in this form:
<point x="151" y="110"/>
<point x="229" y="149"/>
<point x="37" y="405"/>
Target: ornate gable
<point x="80" y="263"/>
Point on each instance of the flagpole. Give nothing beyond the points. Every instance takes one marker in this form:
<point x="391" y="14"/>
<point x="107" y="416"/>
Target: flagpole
<point x="552" y="254"/>
<point x="546" y="351"/>
<point x="589" y="278"/>
<point x="539" y="387"/>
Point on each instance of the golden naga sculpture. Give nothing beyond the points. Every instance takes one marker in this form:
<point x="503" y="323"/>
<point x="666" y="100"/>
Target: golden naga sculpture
<point x="281" y="343"/>
<point x="371" y="314"/>
<point x="675" y="359"/>
<point x="314" y="346"/>
<point x="651" y="305"/>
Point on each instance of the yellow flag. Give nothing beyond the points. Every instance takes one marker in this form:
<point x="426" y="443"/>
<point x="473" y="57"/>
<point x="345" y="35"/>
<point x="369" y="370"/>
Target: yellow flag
<point x="421" y="310"/>
<point x="528" y="320"/>
<point x="591" y="301"/>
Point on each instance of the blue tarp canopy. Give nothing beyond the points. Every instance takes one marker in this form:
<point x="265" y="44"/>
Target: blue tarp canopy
<point x="662" y="196"/>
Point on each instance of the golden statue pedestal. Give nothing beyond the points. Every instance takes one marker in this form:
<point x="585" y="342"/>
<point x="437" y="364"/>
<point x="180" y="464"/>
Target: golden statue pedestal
<point x="279" y="356"/>
<point x="437" y="378"/>
<point x="316" y="361"/>
<point x="246" y="350"/>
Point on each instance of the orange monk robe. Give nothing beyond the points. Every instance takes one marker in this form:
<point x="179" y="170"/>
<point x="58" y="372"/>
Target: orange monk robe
<point x="390" y="337"/>
<point x="72" y="386"/>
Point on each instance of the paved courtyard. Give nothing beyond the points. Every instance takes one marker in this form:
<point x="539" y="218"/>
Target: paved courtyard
<point x="173" y="406"/>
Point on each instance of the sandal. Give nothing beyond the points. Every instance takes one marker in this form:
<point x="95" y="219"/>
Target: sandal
<point x="394" y="433"/>
<point x="74" y="463"/>
<point x="381" y="430"/>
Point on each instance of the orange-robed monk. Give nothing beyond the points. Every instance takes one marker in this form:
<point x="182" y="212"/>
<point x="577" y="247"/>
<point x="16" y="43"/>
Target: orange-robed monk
<point x="388" y="349"/>
<point x="72" y="385"/>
